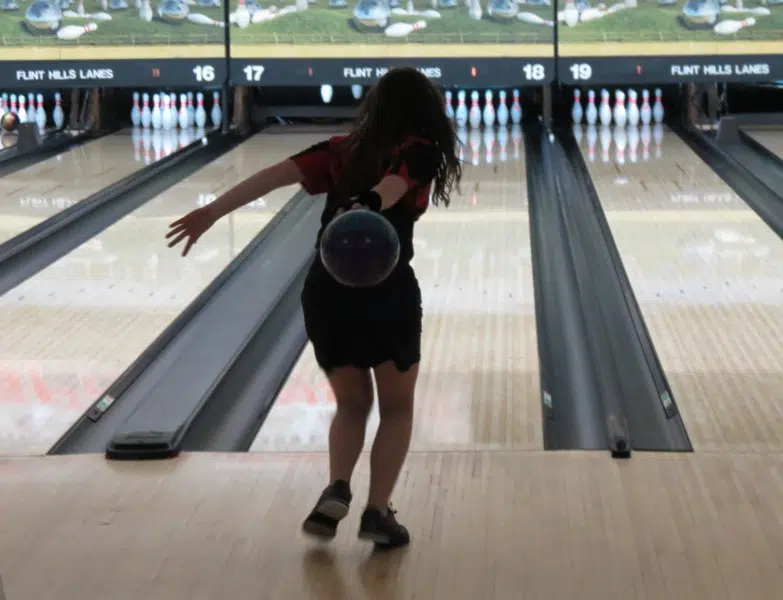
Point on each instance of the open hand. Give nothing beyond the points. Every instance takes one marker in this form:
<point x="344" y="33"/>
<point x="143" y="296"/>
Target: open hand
<point x="190" y="227"/>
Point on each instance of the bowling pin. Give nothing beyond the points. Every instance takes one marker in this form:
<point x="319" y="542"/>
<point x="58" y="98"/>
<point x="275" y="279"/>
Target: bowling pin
<point x="216" y="114"/>
<point x="191" y="110"/>
<point x="135" y="111"/>
<point x="592" y="111"/>
<point x="729" y="27"/>
<point x="201" y="113"/>
<point x="474" y="115"/>
<point x="619" y="114"/>
<point x="242" y="15"/>
<point x="620" y="141"/>
<point x="760" y="10"/>
<point x="516" y="108"/>
<point x="461" y="114"/>
<point x="165" y="114"/>
<point x="645" y="112"/>
<point x="13" y="108"/>
<point x="398" y="30"/>
<point x="201" y="19"/>
<point x="475" y="12"/>
<point x="528" y="17"/>
<point x="326" y="93"/>
<point x="633" y="109"/>
<point x="145" y="11"/>
<point x="605" y="112"/>
<point x="502" y="112"/>
<point x="577" y="112"/>
<point x="74" y="32"/>
<point x="146" y="113"/>
<point x="22" y="112"/>
<point x="488" y="116"/>
<point x="182" y="115"/>
<point x="447" y="105"/>
<point x="657" y="109"/>
<point x="31" y="107"/>
<point x="571" y="13"/>
<point x="58" y="115"/>
<point x="40" y="114"/>
<point x="156" y="114"/>
<point x="356" y="91"/>
<point x="591" y="14"/>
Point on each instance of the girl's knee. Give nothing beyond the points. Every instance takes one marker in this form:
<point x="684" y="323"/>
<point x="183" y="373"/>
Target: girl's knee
<point x="352" y="390"/>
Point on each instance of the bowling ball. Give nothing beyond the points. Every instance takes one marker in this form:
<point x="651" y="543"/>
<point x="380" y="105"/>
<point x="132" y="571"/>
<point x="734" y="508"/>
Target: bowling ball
<point x="502" y="10"/>
<point x="360" y="248"/>
<point x="42" y="16"/>
<point x="173" y="12"/>
<point x="371" y="15"/>
<point x="9" y="122"/>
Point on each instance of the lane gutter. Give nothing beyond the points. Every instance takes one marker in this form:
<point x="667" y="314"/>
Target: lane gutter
<point x="147" y="412"/>
<point x="33" y="250"/>
<point x="574" y="417"/>
<point x="634" y="379"/>
<point x="745" y="176"/>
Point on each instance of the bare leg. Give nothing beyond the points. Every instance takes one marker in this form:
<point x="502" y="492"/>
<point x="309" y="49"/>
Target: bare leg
<point x="395" y="404"/>
<point x="353" y="390"/>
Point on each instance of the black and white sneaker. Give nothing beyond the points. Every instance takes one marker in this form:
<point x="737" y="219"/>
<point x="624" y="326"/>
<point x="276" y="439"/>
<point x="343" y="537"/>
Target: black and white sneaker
<point x="330" y="509"/>
<point x="383" y="529"/>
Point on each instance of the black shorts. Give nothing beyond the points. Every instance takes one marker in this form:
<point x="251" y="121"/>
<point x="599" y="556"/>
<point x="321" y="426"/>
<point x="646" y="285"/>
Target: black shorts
<point x="363" y="327"/>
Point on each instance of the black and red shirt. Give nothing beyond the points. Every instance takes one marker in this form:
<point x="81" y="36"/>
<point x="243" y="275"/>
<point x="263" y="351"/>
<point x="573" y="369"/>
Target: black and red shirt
<point x="416" y="161"/>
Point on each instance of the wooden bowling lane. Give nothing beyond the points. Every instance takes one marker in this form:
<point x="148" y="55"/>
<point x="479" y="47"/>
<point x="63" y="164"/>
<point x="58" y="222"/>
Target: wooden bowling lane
<point x="73" y="328"/>
<point x="485" y="525"/>
<point x="479" y="381"/>
<point x="708" y="275"/>
<point x="38" y="192"/>
<point x="770" y="137"/>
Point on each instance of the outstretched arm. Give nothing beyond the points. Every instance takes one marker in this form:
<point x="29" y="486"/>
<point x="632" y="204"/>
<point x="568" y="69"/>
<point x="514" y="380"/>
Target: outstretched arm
<point x="310" y="167"/>
<point x="284" y="173"/>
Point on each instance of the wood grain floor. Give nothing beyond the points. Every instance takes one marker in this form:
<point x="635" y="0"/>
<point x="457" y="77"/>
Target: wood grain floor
<point x="710" y="293"/>
<point x="492" y="517"/>
<point x="489" y="525"/>
<point x="479" y="377"/>
<point x="82" y="321"/>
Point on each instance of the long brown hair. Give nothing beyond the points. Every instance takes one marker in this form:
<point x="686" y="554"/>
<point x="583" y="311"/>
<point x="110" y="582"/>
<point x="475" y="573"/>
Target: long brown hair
<point x="402" y="104"/>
